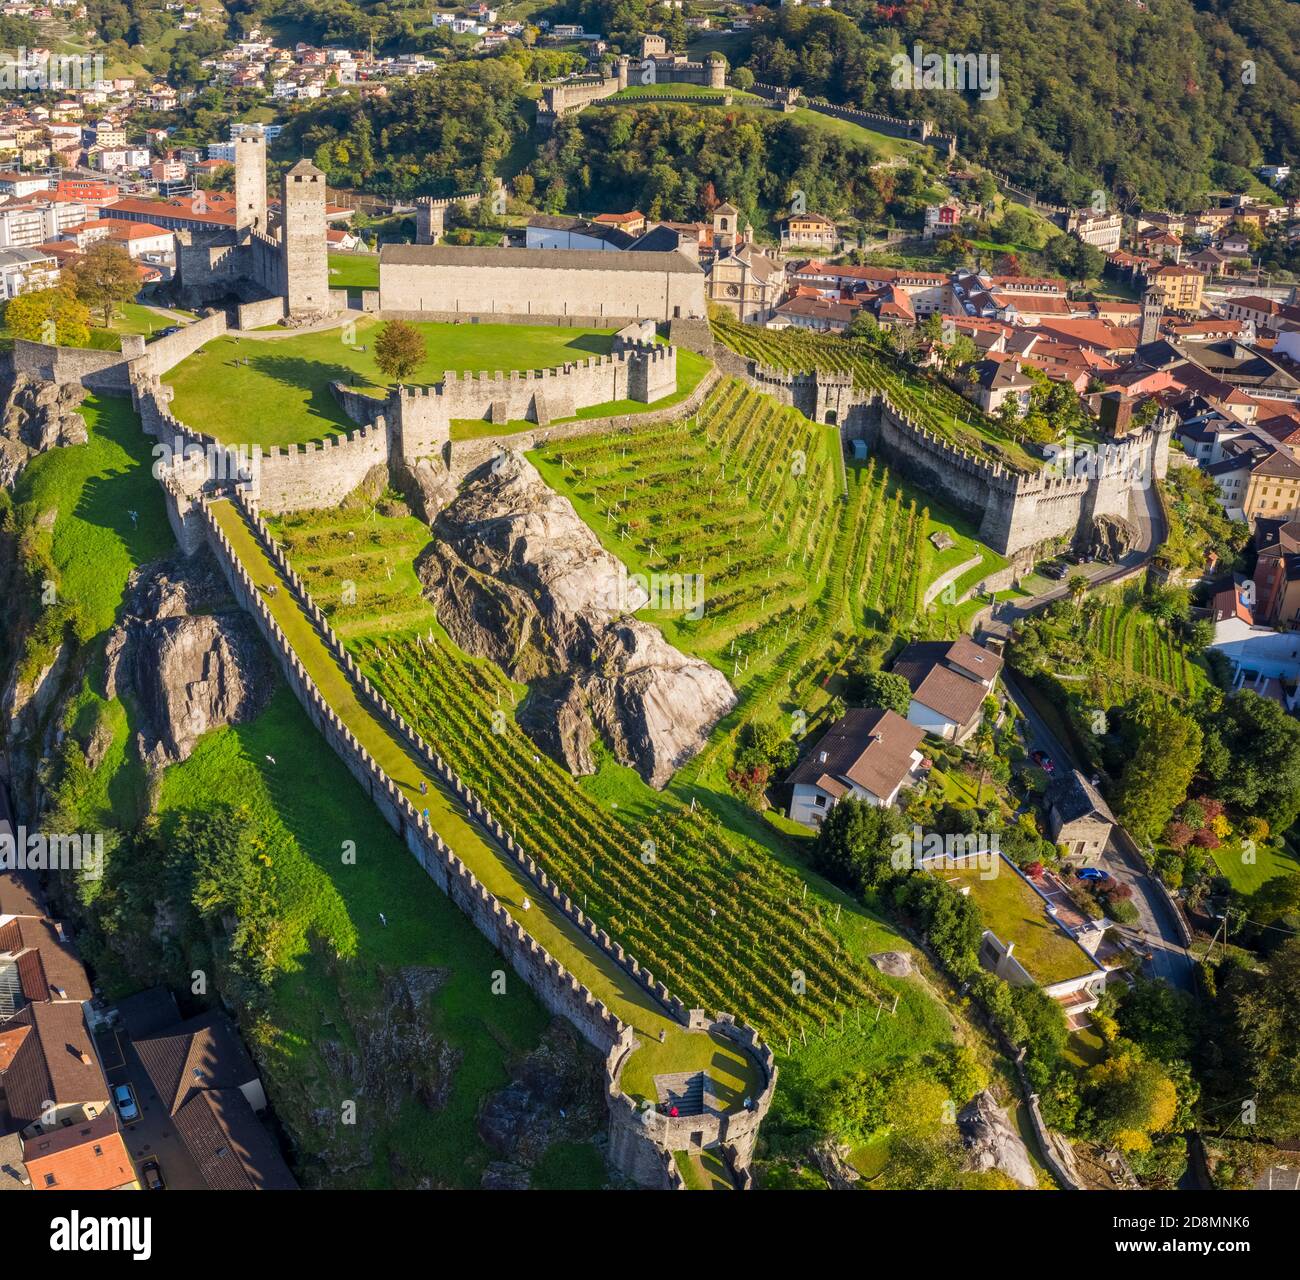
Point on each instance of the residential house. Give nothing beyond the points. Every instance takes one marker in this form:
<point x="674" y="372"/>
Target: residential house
<point x="997" y="380"/>
<point x="1103" y="231"/>
<point x="869" y="754"/>
<point x="88" y="1156"/>
<point x="809" y="230"/>
<point x="1077" y="817"/>
<point x="1277" y="572"/>
<point x="211" y="1090"/>
<point x="949" y="680"/>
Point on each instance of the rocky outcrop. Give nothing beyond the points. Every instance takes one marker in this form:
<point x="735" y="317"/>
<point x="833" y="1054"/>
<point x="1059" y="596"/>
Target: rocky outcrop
<point x="426" y="484"/>
<point x="37" y="416"/>
<point x="1109" y="539"/>
<point x="556" y="1096"/>
<point x="517" y="577"/>
<point x="992" y="1143"/>
<point x="832" y="1161"/>
<point x="191" y="660"/>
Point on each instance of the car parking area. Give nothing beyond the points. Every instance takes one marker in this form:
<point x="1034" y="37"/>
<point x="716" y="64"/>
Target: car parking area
<point x="153" y="1135"/>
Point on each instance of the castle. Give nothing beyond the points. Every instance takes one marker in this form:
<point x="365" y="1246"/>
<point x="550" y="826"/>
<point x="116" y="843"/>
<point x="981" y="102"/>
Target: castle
<point x="657" y="65"/>
<point x="271" y="273"/>
<point x="1079" y="496"/>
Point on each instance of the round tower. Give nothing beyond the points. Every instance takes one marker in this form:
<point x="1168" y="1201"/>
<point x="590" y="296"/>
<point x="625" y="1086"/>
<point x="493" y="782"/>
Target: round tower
<point x="717" y="71"/>
<point x="621" y="69"/>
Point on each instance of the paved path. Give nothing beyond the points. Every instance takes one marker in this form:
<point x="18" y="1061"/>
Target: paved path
<point x="951" y="576"/>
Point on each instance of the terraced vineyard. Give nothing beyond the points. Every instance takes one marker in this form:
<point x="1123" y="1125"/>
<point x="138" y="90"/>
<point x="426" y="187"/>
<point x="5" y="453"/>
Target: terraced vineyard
<point x="1139" y="646"/>
<point x="801" y="557"/>
<point x="926" y="400"/>
<point x="727" y="928"/>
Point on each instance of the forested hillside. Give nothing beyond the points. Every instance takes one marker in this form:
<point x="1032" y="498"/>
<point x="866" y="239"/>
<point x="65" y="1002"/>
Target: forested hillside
<point x="1154" y="100"/>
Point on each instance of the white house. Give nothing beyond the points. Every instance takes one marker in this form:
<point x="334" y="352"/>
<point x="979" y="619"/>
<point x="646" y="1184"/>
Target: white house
<point x="949" y="682"/>
<point x="868" y="753"/>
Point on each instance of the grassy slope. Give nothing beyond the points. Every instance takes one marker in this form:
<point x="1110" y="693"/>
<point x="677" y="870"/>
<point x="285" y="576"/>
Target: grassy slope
<point x="94" y="488"/>
<point x="1246" y="877"/>
<point x="502" y="877"/>
<point x="310" y="798"/>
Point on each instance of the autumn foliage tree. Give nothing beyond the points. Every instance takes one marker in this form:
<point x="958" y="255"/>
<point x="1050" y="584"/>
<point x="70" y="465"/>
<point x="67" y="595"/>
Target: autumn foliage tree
<point x="104" y="278"/>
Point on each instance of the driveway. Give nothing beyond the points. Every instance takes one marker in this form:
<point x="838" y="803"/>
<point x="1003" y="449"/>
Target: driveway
<point x="154" y="1135"/>
<point x="1156" y="930"/>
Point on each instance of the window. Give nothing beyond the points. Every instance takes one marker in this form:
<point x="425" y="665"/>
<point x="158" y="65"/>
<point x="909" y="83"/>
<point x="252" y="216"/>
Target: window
<point x="820" y="802"/>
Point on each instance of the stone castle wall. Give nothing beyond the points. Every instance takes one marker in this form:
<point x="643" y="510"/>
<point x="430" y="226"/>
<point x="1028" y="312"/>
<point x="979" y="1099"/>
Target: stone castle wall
<point x="557" y="989"/>
<point x="608" y="296"/>
<point x="1017" y="512"/>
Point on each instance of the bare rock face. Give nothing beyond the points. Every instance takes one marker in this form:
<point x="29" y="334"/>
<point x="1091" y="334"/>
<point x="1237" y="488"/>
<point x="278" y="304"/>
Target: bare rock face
<point x="191" y="661"/>
<point x="37" y="416"/>
<point x="992" y="1143"/>
<point x="1109" y="538"/>
<point x="427" y="485"/>
<point x="517" y="577"/>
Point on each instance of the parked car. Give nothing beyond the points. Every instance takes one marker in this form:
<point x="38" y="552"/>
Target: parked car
<point x="151" y="1172"/>
<point x="1056" y="570"/>
<point x="124" y="1100"/>
<point x="1093" y="873"/>
<point x="1042" y="760"/>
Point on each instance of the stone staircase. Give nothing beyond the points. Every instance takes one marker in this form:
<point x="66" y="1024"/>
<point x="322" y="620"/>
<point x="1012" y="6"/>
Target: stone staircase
<point x="683" y="1090"/>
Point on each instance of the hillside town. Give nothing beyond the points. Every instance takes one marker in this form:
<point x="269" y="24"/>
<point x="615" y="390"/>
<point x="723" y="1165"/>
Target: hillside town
<point x="613" y="610"/>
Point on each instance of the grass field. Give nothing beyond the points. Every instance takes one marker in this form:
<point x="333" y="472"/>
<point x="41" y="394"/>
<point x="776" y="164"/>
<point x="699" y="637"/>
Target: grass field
<point x="109" y="509"/>
<point x="354" y="270"/>
<point x="275" y="391"/>
<point x="1270" y="860"/>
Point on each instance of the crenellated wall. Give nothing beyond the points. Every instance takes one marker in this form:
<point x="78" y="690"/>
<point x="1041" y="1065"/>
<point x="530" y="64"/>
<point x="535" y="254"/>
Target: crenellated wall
<point x="647" y="1159"/>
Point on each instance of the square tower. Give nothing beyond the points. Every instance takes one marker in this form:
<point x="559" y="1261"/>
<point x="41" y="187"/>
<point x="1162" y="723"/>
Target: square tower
<point x="303" y="247"/>
<point x="250" y="184"/>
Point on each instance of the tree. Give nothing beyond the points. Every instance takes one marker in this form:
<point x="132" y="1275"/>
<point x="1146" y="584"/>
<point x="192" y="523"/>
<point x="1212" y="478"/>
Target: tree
<point x="888" y="690"/>
<point x="1155" y="780"/>
<point x="1077" y="587"/>
<point x="1132" y="1097"/>
<point x="105" y="277"/>
<point x="863" y="325"/>
<point x="856" y="842"/>
<point x="1252" y="758"/>
<point x="48" y="315"/>
<point x="399" y="350"/>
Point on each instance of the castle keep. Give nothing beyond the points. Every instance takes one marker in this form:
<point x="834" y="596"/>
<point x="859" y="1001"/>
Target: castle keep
<point x="274" y="275"/>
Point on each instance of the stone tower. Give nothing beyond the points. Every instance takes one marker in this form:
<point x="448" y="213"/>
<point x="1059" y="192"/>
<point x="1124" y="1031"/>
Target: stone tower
<point x="717" y="66"/>
<point x="302" y="240"/>
<point x="1152" y="312"/>
<point x="726" y="227"/>
<point x="250" y="184"/>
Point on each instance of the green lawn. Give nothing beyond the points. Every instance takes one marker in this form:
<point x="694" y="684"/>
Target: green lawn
<point x="312" y="806"/>
<point x="1245" y="877"/>
<point x="275" y="391"/>
<point x="354" y="270"/>
<point x="501" y="876"/>
<point x="1015" y="913"/>
<point x="94" y="489"/>
<point x="703" y="1170"/>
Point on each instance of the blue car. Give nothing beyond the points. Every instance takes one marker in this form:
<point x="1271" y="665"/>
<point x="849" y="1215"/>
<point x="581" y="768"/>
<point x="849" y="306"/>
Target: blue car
<point x="1093" y="873"/>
